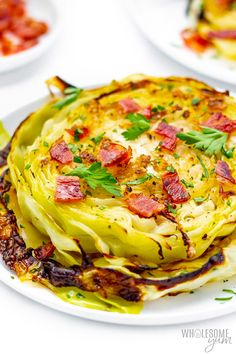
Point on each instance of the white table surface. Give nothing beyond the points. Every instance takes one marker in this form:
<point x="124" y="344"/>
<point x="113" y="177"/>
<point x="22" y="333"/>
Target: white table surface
<point x="98" y="43"/>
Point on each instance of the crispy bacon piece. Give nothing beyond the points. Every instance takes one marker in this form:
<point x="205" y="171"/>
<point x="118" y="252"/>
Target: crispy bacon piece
<point x="45" y="251"/>
<point x="147" y="112"/>
<point x="223" y="34"/>
<point x="68" y="190"/>
<point x="111" y="154"/>
<point x="129" y="105"/>
<point x="144" y="206"/>
<point x="61" y="153"/>
<point x="27" y="28"/>
<point x="221" y="122"/>
<point x="169" y="132"/>
<point x="194" y="41"/>
<point x="174" y="187"/>
<point x="223" y="170"/>
<point x="74" y="132"/>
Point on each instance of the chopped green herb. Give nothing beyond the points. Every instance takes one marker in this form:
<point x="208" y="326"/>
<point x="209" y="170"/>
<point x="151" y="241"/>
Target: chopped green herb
<point x="158" y="108"/>
<point x="73" y="148"/>
<point x="212" y="171"/>
<point x="195" y="101"/>
<point x="229" y="291"/>
<point x="176" y="156"/>
<point x="80" y="296"/>
<point x="98" y="138"/>
<point x="97" y="176"/>
<point x="21" y="226"/>
<point x="223" y="298"/>
<point x="229" y="202"/>
<point x="205" y="174"/>
<point x="77" y="133"/>
<point x="228" y="153"/>
<point x="71" y="93"/>
<point x="200" y="199"/>
<point x="211" y="141"/>
<point x="139" y="125"/>
<point x="171" y="209"/>
<point x="170" y="169"/>
<point x="187" y="184"/>
<point x="27" y="166"/>
<point x="77" y="159"/>
<point x="140" y="180"/>
<point x="45" y="144"/>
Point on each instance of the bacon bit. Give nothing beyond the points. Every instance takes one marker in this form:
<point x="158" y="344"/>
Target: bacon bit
<point x="216" y="103"/>
<point x="68" y="189"/>
<point x="224" y="34"/>
<point x="169" y="132"/>
<point x="221" y="122"/>
<point x="61" y="153"/>
<point x="129" y="105"/>
<point x="194" y="41"/>
<point x="44" y="252"/>
<point x="147" y="112"/>
<point x="223" y="170"/>
<point x="111" y="154"/>
<point x="144" y="206"/>
<point x="84" y="132"/>
<point x="225" y="194"/>
<point x="174" y="187"/>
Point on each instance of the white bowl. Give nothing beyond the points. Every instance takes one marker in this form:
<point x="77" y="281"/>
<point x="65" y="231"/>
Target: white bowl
<point x="44" y="10"/>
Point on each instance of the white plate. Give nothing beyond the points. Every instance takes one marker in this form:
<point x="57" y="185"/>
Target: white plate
<point x="169" y="310"/>
<point x="45" y="10"/>
<point x="162" y="21"/>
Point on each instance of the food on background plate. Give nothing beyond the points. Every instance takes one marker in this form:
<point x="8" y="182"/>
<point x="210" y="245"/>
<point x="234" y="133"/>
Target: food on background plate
<point x="213" y="26"/>
<point x="122" y="194"/>
<point x="18" y="31"/>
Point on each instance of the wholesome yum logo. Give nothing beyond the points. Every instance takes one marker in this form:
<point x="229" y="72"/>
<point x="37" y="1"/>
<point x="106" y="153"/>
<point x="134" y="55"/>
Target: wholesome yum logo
<point x="212" y="336"/>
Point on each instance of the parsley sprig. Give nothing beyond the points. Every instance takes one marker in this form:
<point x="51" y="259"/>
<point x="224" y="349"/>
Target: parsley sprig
<point x="140" y="124"/>
<point x="211" y="141"/>
<point x="97" y="176"/>
<point x="71" y="95"/>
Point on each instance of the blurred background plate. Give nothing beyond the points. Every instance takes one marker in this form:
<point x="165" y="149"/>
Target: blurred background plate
<point x="44" y="10"/>
<point x="162" y="21"/>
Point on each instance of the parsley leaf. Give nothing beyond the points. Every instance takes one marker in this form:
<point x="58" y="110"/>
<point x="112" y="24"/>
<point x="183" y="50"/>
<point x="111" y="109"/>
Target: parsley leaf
<point x="97" y="176"/>
<point x="140" y="124"/>
<point x="211" y="141"/>
<point x="71" y="95"/>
